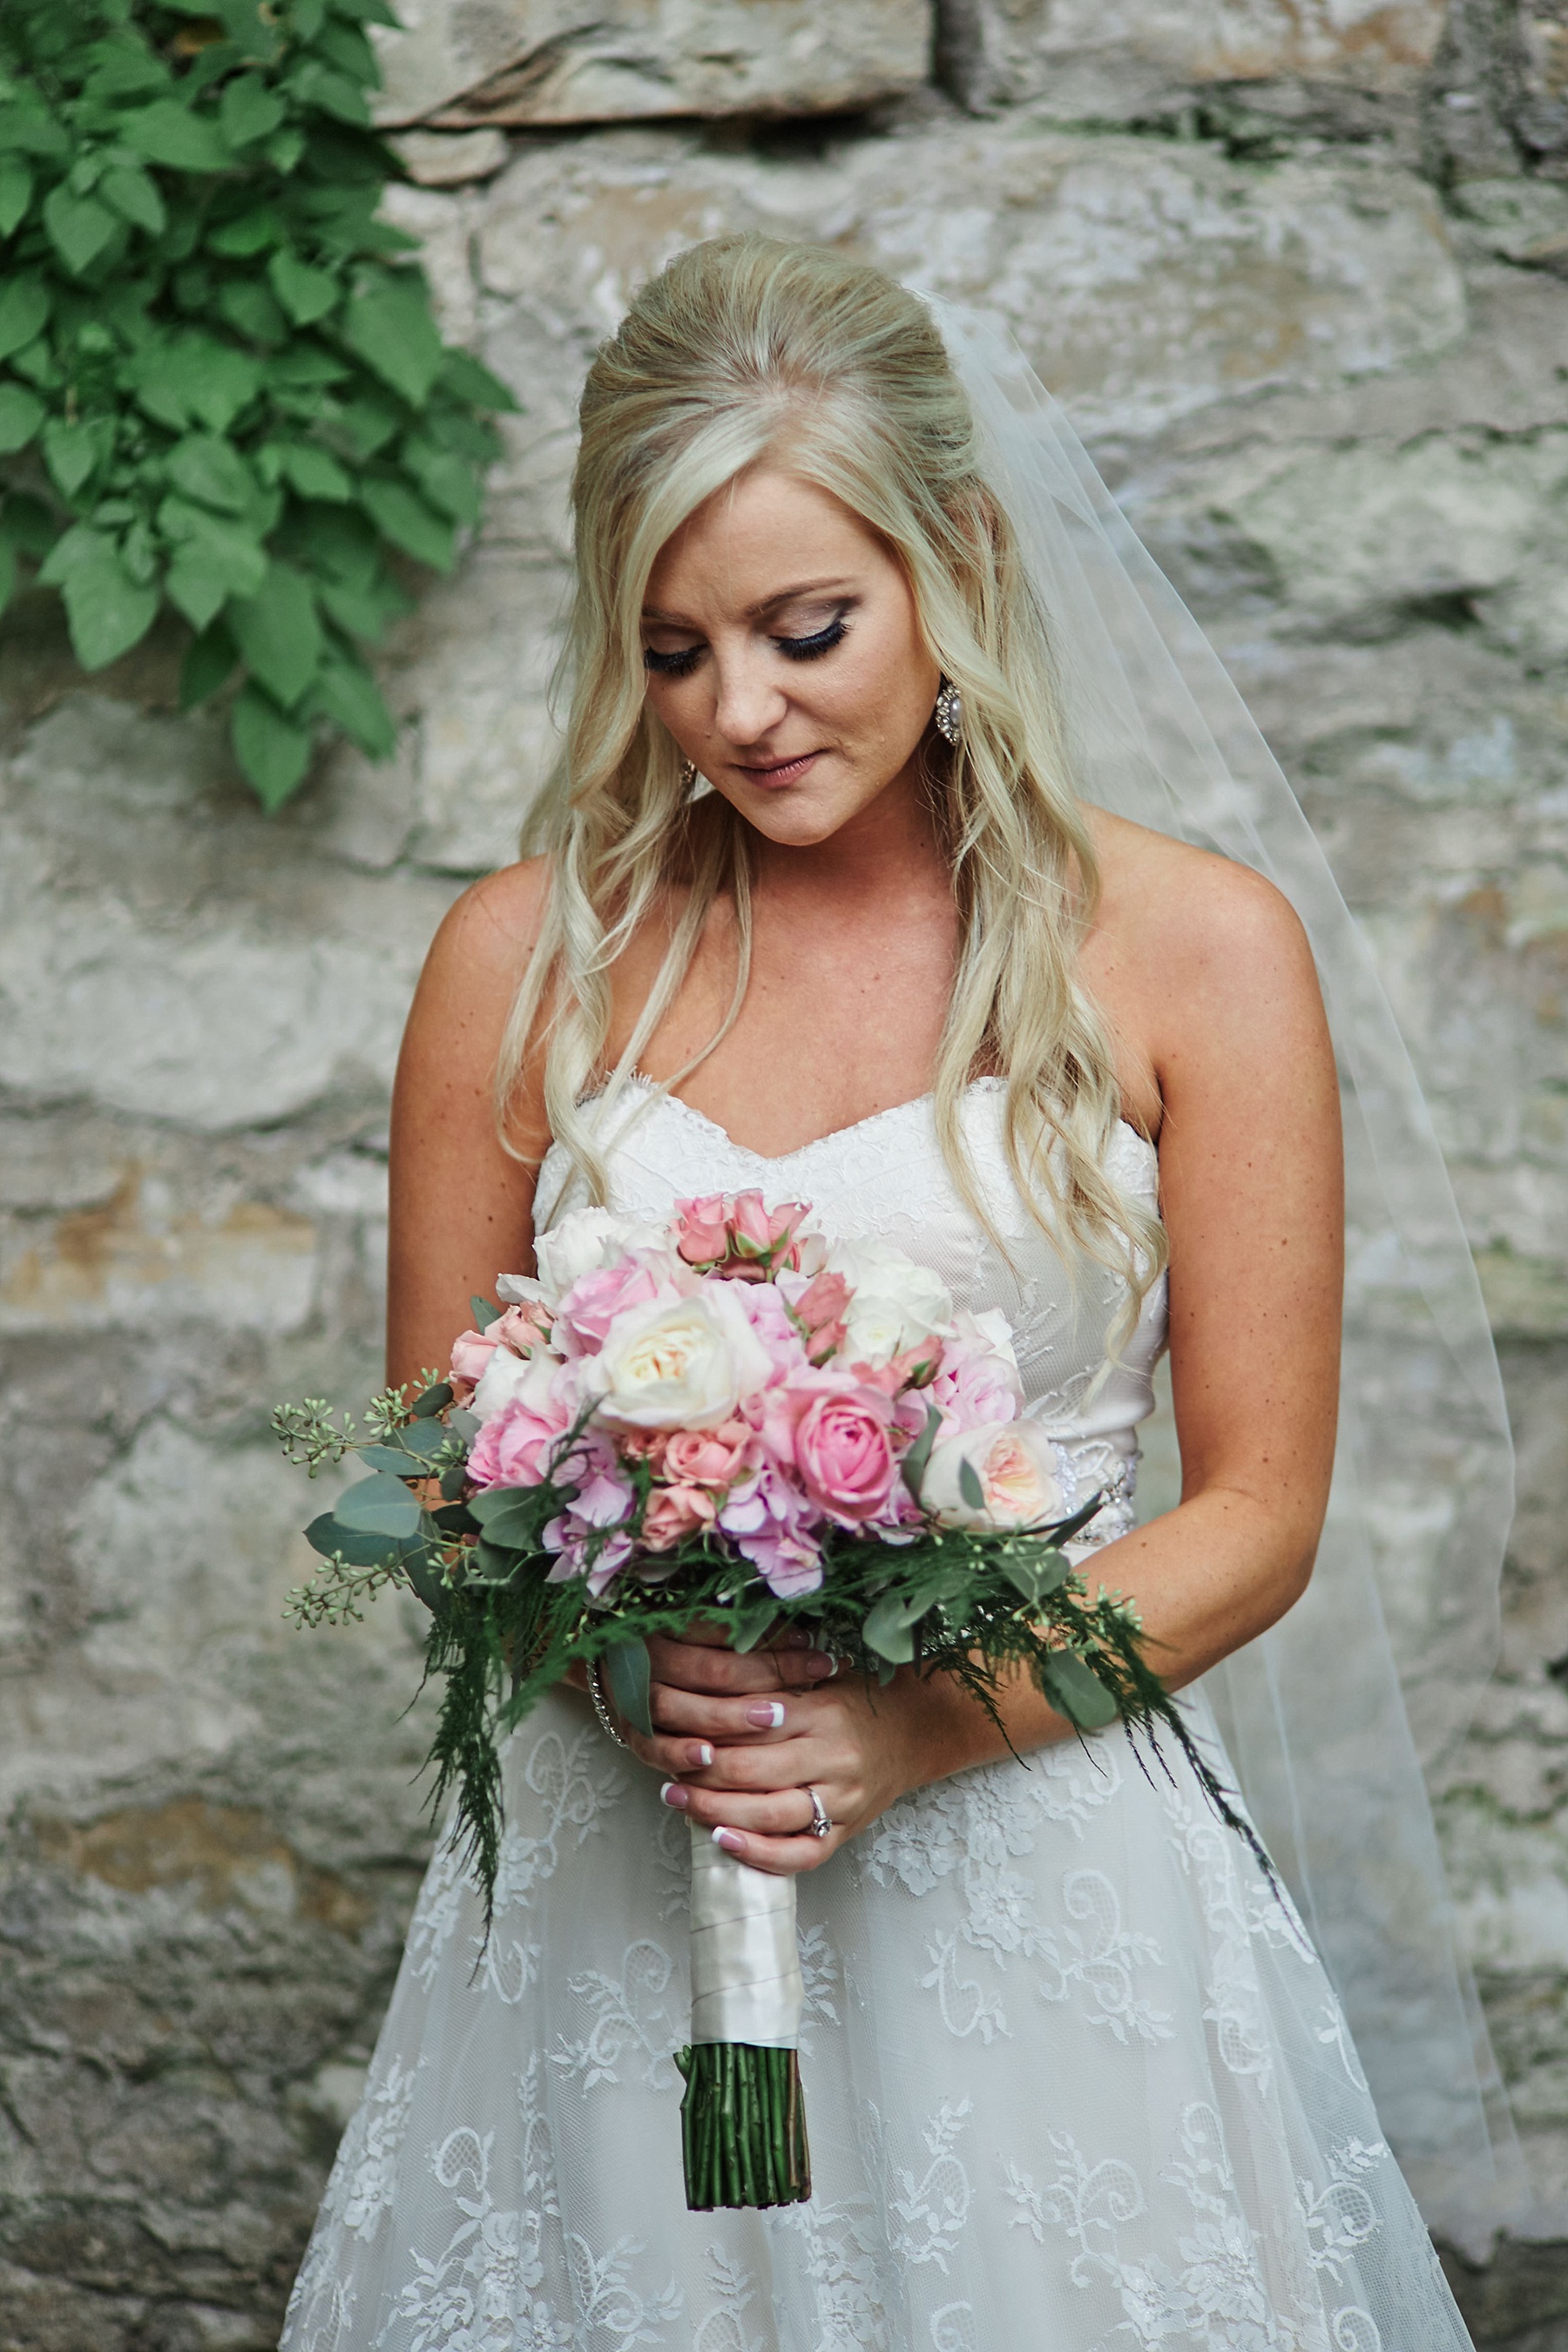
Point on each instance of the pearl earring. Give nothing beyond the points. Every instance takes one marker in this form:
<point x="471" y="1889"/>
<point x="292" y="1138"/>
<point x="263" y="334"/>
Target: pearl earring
<point x="688" y="774"/>
<point x="949" y="712"/>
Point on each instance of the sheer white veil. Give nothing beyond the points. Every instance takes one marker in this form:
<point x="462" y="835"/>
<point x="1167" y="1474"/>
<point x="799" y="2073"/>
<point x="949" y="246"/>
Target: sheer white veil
<point x="1335" y="1716"/>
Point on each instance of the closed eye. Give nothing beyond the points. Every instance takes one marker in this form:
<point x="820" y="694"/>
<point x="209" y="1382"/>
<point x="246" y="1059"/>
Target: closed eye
<point x="678" y="664"/>
<point x="821" y="641"/>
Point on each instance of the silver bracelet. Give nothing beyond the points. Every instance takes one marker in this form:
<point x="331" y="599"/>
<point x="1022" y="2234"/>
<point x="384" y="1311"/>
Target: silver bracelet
<point x="601" y="1707"/>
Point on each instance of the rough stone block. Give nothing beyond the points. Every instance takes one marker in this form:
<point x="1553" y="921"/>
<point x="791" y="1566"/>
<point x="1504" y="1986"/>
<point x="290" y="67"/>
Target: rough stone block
<point x="559" y="62"/>
<point x="1084" y="60"/>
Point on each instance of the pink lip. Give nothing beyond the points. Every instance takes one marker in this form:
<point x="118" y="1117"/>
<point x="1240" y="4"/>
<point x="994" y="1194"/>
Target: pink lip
<point x="778" y="771"/>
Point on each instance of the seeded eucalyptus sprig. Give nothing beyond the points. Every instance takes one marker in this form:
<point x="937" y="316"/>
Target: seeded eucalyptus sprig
<point x="221" y="385"/>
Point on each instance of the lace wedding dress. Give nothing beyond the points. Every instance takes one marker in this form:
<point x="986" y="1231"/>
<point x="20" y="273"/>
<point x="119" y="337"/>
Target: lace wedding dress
<point x="1074" y="2077"/>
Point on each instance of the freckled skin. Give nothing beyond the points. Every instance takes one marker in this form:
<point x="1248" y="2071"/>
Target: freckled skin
<point x="1209" y="991"/>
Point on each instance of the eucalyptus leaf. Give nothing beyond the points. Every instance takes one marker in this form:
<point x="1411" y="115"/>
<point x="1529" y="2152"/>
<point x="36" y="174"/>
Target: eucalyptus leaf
<point x="380" y="1505"/>
<point x="421" y="1566"/>
<point x="327" y="1536"/>
<point x="629" y="1671"/>
<point x="484" y="1311"/>
<point x="968" y="1485"/>
<point x="1036" y="1574"/>
<point x="889" y="1632"/>
<point x="913" y="1467"/>
<point x="432" y="1401"/>
<point x="1077" y="1690"/>
<point x="484" y="1564"/>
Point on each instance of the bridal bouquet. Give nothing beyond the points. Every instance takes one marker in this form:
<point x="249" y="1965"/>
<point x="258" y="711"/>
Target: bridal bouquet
<point x="721" y="1418"/>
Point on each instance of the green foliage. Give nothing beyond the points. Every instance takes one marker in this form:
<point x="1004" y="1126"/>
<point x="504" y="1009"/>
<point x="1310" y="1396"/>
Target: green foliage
<point x="221" y="385"/>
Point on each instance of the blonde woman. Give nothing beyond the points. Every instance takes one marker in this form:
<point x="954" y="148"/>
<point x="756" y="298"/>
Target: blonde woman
<point x="820" y="909"/>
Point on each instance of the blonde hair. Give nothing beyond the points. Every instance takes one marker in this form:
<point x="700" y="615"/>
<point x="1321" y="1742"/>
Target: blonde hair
<point x="743" y="348"/>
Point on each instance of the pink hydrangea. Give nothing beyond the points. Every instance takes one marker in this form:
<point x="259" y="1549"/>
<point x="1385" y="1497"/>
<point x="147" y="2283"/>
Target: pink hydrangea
<point x="604" y="1499"/>
<point x="773" y="1524"/>
<point x="514" y="1446"/>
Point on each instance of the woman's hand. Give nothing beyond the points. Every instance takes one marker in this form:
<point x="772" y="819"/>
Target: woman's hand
<point x="740" y="1741"/>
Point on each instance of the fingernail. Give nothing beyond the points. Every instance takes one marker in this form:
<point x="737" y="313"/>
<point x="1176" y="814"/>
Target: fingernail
<point x="768" y="1717"/>
<point x="672" y="1793"/>
<point x="797" y="1638"/>
<point x="820" y="1665"/>
<point x="700" y="1752"/>
<point x="728" y="1841"/>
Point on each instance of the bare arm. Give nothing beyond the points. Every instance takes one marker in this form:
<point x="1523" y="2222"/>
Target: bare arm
<point x="461" y="1206"/>
<point x="1251" y="1172"/>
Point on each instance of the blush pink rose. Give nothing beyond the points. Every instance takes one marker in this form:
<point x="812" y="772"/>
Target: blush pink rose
<point x="471" y="1353"/>
<point x="513" y="1447"/>
<point x="594" y="1300"/>
<point x="820" y="1308"/>
<point x="707" y="1457"/>
<point x="844" y="1452"/>
<point x="673" y="1512"/>
<point x="702" y="1234"/>
<point x="522" y="1328"/>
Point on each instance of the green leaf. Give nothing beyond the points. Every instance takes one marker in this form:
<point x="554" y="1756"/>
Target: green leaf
<point x="431" y="1401"/>
<point x="508" y="1515"/>
<point x="211" y="470"/>
<point x="483" y="1564"/>
<point x="280" y="635"/>
<point x="194" y="377"/>
<point x="30" y="128"/>
<point x="73" y="453"/>
<point x="210" y="566"/>
<point x="136" y="198"/>
<point x="889" y="1630"/>
<point x="305" y="293"/>
<point x="7" y="572"/>
<point x="27" y="523"/>
<point x="15" y="192"/>
<point x="314" y="84"/>
<point x="347" y="695"/>
<point x="629" y="1671"/>
<point x="305" y="365"/>
<point x="390" y="327"/>
<point x="405" y="519"/>
<point x="272" y="750"/>
<point x="326" y="1535"/>
<point x="1078" y="1693"/>
<point x="249" y="110"/>
<point x="251" y="309"/>
<point x="167" y="133"/>
<point x="78" y="227"/>
<point x="1035" y="1570"/>
<point x="462" y="375"/>
<point x="251" y="233"/>
<point x="363" y="611"/>
<point x="447" y="480"/>
<point x="312" y="472"/>
<point x="913" y="1467"/>
<point x="24" y="312"/>
<point x="107" y="611"/>
<point x="970" y="1488"/>
<point x="21" y="415"/>
<point x="484" y="1312"/>
<point x="209" y="661"/>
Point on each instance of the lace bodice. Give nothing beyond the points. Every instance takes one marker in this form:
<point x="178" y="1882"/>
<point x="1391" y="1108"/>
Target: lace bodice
<point x="886" y="1178"/>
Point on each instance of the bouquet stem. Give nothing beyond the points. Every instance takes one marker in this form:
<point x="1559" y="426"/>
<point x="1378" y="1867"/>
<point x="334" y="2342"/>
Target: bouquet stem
<point x="742" y="2121"/>
<point x="743" y="2126"/>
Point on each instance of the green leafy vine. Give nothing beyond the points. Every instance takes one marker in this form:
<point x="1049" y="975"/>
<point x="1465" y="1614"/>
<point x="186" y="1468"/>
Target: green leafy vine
<point x="222" y="388"/>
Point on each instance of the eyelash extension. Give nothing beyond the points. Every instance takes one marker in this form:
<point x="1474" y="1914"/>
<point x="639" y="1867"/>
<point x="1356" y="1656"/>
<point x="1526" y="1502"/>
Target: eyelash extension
<point x="822" y="641"/>
<point x="682" y="664"/>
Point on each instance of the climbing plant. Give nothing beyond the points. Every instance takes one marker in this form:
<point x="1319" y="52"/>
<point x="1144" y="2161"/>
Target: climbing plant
<point x="222" y="388"/>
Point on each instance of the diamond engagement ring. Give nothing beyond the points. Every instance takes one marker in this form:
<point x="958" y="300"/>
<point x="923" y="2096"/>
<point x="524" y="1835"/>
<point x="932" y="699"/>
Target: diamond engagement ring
<point x="821" y="1822"/>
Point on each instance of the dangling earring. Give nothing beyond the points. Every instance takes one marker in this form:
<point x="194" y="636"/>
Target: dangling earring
<point x="949" y="712"/>
<point x="688" y="774"/>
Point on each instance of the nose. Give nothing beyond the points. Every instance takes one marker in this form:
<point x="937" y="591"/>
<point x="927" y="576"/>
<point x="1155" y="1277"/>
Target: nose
<point x="749" y="697"/>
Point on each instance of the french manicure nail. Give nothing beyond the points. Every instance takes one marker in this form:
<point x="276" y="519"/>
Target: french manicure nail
<point x="674" y="1794"/>
<point x="700" y="1752"/>
<point x="768" y="1717"/>
<point x="821" y="1666"/>
<point x="797" y="1638"/>
<point x="728" y="1841"/>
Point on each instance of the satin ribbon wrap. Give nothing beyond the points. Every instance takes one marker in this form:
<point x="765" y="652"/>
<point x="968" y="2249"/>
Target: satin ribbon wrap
<point x="745" y="1970"/>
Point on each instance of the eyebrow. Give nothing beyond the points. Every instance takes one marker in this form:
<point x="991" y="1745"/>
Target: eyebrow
<point x="757" y="611"/>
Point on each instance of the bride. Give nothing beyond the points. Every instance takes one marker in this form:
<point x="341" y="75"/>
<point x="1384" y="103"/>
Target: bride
<point x="821" y="913"/>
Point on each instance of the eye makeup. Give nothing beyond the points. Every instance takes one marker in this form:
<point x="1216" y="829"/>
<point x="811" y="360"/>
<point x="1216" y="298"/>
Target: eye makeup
<point x="811" y="647"/>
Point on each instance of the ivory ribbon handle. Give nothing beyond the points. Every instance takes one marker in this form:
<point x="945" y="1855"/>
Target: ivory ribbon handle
<point x="745" y="1970"/>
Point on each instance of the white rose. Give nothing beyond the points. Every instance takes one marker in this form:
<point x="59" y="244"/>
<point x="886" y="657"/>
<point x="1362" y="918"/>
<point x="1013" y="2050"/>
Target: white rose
<point x="586" y="1240"/>
<point x="1014" y="1463"/>
<point x="682" y="1364"/>
<point x="895" y="1304"/>
<point x="507" y="1376"/>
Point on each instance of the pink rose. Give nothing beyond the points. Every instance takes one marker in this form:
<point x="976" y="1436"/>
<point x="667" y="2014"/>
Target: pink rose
<point x="522" y="1328"/>
<point x="673" y="1512"/>
<point x="594" y="1301"/>
<point x="513" y="1447"/>
<point x="707" y="1457"/>
<point x="977" y="1383"/>
<point x="702" y="1235"/>
<point x="844" y="1452"/>
<point x="471" y="1353"/>
<point x="820" y="1307"/>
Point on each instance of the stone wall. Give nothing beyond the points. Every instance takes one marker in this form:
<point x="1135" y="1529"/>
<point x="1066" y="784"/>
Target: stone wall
<point x="1298" y="273"/>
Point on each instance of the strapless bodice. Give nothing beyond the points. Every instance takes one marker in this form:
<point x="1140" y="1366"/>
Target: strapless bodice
<point x="886" y="1178"/>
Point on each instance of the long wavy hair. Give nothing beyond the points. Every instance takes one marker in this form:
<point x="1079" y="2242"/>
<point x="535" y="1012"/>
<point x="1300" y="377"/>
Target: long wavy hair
<point x="742" y="349"/>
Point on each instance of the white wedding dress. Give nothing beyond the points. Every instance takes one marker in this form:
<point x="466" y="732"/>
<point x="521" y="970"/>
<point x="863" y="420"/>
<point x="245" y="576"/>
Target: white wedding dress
<point x="1076" y="2080"/>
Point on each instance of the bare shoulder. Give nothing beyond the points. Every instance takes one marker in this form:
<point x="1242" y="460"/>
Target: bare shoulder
<point x="490" y="932"/>
<point x="1179" y="917"/>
